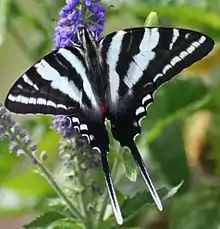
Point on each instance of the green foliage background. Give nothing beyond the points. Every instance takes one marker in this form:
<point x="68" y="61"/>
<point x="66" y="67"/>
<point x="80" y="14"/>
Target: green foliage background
<point x="180" y="139"/>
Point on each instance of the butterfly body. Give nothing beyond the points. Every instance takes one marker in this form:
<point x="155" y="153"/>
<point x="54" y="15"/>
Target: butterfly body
<point x="114" y="78"/>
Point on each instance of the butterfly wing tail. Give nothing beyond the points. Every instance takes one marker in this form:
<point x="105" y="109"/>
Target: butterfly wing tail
<point x="111" y="190"/>
<point x="143" y="170"/>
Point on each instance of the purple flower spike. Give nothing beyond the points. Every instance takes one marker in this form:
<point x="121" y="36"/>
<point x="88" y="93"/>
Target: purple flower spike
<point x="17" y="128"/>
<point x="34" y="160"/>
<point x="33" y="147"/>
<point x="2" y="129"/>
<point x="63" y="125"/>
<point x="10" y="130"/>
<point x="88" y="3"/>
<point x="2" y="110"/>
<point x="76" y="14"/>
<point x="14" y="148"/>
<point x="24" y="133"/>
<point x="11" y="137"/>
<point x="25" y="141"/>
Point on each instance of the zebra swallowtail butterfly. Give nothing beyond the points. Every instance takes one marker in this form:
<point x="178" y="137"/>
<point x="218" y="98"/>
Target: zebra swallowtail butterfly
<point x="113" y="78"/>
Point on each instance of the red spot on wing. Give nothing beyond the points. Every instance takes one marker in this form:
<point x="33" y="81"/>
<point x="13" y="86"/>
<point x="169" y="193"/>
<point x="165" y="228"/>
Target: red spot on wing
<point x="103" y="109"/>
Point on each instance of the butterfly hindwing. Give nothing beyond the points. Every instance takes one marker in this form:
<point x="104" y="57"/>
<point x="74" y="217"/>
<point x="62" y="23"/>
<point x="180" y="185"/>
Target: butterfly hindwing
<point x="97" y="136"/>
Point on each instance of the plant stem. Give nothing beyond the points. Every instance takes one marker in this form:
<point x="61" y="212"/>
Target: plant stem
<point x="83" y="198"/>
<point x="104" y="205"/>
<point x="75" y="213"/>
<point x="73" y="210"/>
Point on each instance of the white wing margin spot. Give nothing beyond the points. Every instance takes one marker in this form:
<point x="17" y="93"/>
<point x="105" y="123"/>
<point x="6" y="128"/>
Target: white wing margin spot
<point x="140" y="110"/>
<point x="75" y="120"/>
<point x="41" y="101"/>
<point x="50" y="103"/>
<point x="35" y="101"/>
<point x="83" y="127"/>
<point x="146" y="99"/>
<point x="32" y="100"/>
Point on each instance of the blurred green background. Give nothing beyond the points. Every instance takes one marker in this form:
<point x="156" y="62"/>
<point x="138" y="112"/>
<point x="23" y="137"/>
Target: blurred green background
<point x="181" y="135"/>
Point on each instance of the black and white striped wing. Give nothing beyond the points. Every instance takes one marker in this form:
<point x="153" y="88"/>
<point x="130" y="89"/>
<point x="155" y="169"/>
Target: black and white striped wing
<point x="57" y="84"/>
<point x="134" y="58"/>
<point x="137" y="62"/>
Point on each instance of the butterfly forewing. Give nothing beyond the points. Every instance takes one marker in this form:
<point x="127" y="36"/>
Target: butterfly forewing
<point x="139" y="60"/>
<point x="57" y="84"/>
<point x="136" y="57"/>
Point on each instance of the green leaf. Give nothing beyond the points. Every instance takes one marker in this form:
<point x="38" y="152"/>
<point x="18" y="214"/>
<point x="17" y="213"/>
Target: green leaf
<point x="197" y="210"/>
<point x="4" y="9"/>
<point x="56" y="204"/>
<point x="168" y="150"/>
<point x="129" y="166"/>
<point x="132" y="206"/>
<point x="108" y="224"/>
<point x="65" y="224"/>
<point x="44" y="220"/>
<point x="174" y="190"/>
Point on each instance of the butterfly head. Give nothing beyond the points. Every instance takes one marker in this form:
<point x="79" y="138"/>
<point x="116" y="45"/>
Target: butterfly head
<point x="86" y="37"/>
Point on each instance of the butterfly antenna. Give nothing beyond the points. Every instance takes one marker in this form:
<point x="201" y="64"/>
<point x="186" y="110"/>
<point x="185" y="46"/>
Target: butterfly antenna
<point x="143" y="170"/>
<point x="111" y="190"/>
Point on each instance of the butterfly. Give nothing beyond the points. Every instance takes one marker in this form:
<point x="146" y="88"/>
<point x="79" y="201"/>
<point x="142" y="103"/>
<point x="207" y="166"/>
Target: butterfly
<point x="113" y="78"/>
